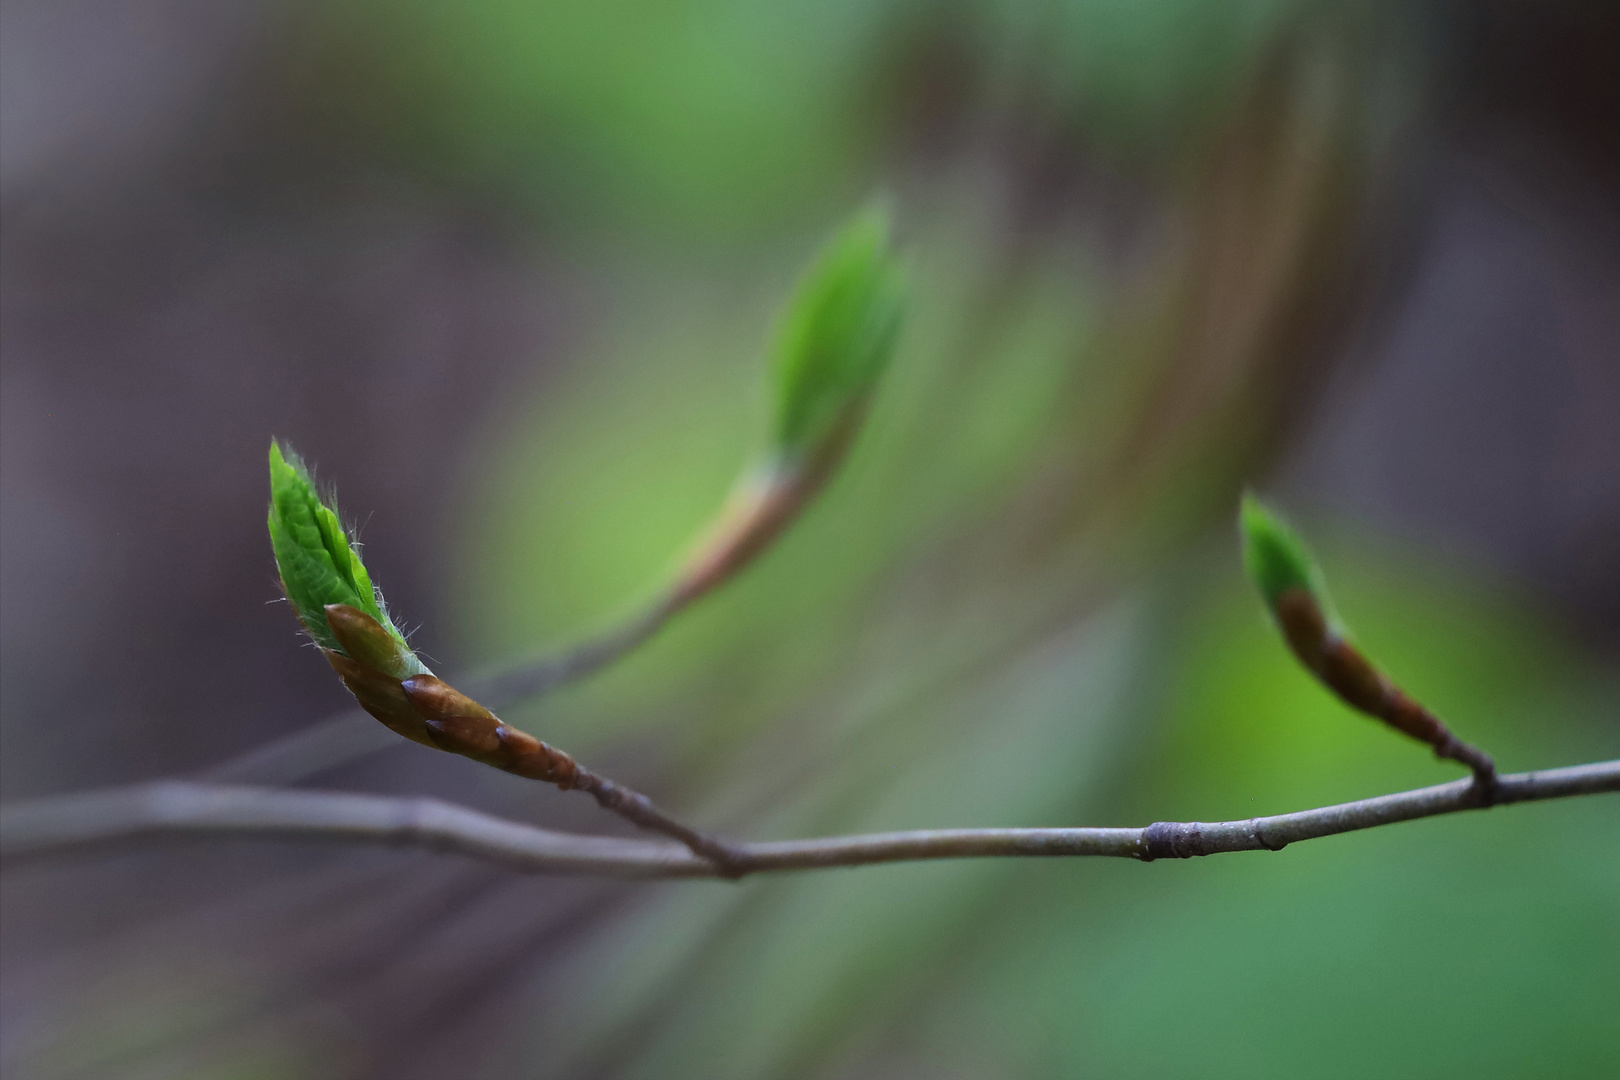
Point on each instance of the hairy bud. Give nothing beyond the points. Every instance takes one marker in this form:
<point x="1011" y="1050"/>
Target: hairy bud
<point x="328" y="587"/>
<point x="318" y="561"/>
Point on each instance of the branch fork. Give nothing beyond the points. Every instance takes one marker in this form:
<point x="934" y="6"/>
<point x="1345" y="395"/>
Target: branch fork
<point x="179" y="808"/>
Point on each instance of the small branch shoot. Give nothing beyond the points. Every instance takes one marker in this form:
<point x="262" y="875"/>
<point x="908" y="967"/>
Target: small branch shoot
<point x="1292" y="585"/>
<point x="333" y="596"/>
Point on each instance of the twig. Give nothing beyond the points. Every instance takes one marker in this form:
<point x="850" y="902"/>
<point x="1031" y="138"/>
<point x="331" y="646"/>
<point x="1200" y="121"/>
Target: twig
<point x="180" y="808"/>
<point x="640" y="811"/>
<point x="351" y="734"/>
<point x="1293" y="587"/>
<point x="1347" y="671"/>
<point x="427" y="709"/>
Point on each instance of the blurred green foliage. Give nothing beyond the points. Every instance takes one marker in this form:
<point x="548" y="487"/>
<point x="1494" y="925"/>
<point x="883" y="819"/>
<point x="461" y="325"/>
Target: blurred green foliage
<point x="1475" y="945"/>
<point x="721" y="109"/>
<point x="720" y="118"/>
<point x="837" y="688"/>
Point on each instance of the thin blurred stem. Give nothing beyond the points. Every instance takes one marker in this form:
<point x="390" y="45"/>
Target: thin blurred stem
<point x="353" y="734"/>
<point x="181" y="808"/>
<point x="536" y="677"/>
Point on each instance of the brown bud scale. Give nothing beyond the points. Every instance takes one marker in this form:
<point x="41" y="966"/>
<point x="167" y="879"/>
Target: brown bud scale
<point x="436" y="699"/>
<point x="366" y="641"/>
<point x="536" y="760"/>
<point x="382" y="696"/>
<point x="470" y="736"/>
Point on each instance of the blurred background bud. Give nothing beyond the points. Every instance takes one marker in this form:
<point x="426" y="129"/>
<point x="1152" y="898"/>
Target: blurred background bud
<point x="837" y="339"/>
<point x="1275" y="556"/>
<point x="838" y="336"/>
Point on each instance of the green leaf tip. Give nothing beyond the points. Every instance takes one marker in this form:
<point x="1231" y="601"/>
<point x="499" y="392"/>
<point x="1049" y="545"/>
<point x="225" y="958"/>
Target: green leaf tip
<point x="317" y="559"/>
<point x="837" y="337"/>
<point x="1274" y="555"/>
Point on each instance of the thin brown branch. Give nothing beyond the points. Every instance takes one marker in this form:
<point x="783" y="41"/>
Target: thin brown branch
<point x="425" y="709"/>
<point x="643" y="813"/>
<point x="352" y="733"/>
<point x="1358" y="682"/>
<point x="182" y="808"/>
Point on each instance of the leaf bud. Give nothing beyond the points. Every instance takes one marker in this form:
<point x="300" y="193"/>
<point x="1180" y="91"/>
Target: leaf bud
<point x="836" y="340"/>
<point x="1275" y="556"/>
<point x="320" y="567"/>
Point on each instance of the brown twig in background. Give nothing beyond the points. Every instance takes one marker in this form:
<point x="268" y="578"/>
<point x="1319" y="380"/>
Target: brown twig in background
<point x="174" y="808"/>
<point x="541" y="676"/>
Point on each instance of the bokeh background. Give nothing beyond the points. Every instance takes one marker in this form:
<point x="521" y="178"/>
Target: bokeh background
<point x="506" y="271"/>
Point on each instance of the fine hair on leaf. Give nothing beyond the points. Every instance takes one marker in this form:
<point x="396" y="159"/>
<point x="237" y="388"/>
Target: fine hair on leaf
<point x="316" y="556"/>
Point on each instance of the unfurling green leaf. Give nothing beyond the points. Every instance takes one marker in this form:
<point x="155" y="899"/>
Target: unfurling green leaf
<point x="1275" y="556"/>
<point x="319" y="565"/>
<point x="837" y="338"/>
<point x="330" y="590"/>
